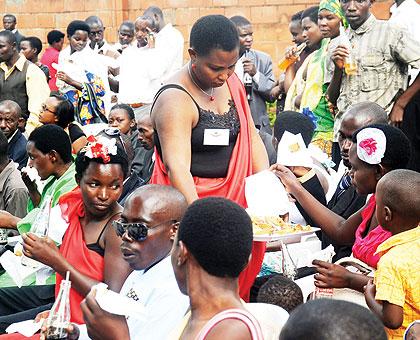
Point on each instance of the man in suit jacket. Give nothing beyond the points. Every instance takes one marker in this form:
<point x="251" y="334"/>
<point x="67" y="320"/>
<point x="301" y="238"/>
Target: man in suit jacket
<point x="256" y="67"/>
<point x="9" y="24"/>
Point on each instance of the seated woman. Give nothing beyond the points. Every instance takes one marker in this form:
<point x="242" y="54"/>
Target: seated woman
<point x="214" y="226"/>
<point x="49" y="153"/>
<point x="59" y="111"/>
<point x="377" y="149"/>
<point x="81" y="76"/>
<point x="90" y="248"/>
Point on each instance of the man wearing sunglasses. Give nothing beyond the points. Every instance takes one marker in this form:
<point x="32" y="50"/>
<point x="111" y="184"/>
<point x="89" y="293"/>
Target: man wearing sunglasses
<point x="147" y="229"/>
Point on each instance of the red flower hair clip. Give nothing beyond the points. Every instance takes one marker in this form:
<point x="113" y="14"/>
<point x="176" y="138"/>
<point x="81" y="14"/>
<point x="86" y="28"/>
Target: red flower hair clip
<point x="371" y="145"/>
<point x="100" y="148"/>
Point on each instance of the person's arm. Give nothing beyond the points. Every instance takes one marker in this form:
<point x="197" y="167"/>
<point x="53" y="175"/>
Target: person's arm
<point x="173" y="120"/>
<point x="391" y="315"/>
<point x="68" y="80"/>
<point x="333" y="90"/>
<point x="397" y="113"/>
<point x="100" y="324"/>
<point x="289" y="76"/>
<point x="38" y="91"/>
<point x="116" y="269"/>
<point x="338" y="229"/>
<point x="7" y="220"/>
<point x="258" y="152"/>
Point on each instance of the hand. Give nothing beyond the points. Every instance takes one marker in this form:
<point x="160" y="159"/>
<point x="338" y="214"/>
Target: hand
<point x="290" y="53"/>
<point x="31" y="185"/>
<point x="249" y="67"/>
<point x="73" y="332"/>
<point x="370" y="289"/>
<point x="286" y="176"/>
<point x="101" y="324"/>
<point x="7" y="220"/>
<point x="339" y="55"/>
<point x="330" y="275"/>
<point x="150" y="38"/>
<point x="64" y="77"/>
<point x="396" y="116"/>
<point x="275" y="92"/>
<point x="41" y="249"/>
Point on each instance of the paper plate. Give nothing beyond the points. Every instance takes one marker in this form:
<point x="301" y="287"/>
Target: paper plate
<point x="286" y="238"/>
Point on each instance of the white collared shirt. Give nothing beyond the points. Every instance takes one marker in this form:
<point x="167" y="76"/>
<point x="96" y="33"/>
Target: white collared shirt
<point x="144" y="70"/>
<point x="164" y="304"/>
<point x="408" y="15"/>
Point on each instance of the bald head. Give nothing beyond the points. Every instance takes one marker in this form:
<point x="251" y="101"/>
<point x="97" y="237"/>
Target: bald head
<point x="398" y="190"/>
<point x="358" y="116"/>
<point x="366" y="113"/>
<point x="162" y="200"/>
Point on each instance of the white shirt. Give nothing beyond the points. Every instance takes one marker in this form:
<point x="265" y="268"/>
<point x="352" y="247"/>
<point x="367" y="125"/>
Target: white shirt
<point x="164" y="303"/>
<point x="143" y="70"/>
<point x="408" y="15"/>
<point x="239" y="70"/>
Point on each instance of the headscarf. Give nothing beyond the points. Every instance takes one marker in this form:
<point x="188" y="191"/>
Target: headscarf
<point x="334" y="6"/>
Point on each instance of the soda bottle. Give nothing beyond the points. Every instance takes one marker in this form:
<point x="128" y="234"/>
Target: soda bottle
<point x="59" y="319"/>
<point x="350" y="63"/>
<point x="285" y="63"/>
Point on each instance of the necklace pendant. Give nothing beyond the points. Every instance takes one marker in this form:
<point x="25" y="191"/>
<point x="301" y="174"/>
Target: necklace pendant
<point x="211" y="98"/>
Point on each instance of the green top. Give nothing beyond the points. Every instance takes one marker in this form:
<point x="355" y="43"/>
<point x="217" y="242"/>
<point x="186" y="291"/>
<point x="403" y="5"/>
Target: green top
<point x="53" y="190"/>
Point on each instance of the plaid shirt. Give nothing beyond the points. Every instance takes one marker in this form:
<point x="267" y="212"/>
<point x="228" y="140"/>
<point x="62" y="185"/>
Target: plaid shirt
<point x="383" y="52"/>
<point x="397" y="278"/>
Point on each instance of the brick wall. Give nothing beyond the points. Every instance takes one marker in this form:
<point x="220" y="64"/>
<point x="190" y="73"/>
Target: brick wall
<point x="270" y="18"/>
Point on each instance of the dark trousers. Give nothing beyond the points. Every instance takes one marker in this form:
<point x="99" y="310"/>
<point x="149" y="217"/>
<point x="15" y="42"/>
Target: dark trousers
<point x="411" y="128"/>
<point x="19" y="304"/>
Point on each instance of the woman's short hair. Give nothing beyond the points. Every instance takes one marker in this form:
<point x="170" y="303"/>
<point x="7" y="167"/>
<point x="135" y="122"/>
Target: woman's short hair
<point x="51" y="137"/>
<point x="64" y="111"/>
<point x="77" y="25"/>
<point x="82" y="161"/>
<point x="218" y="233"/>
<point x="34" y="42"/>
<point x="311" y="13"/>
<point x="126" y="108"/>
<point x="213" y="32"/>
<point x="398" y="150"/>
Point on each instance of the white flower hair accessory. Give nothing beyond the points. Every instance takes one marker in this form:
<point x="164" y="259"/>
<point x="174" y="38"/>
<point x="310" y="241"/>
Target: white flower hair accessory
<point x="371" y="145"/>
<point x="101" y="147"/>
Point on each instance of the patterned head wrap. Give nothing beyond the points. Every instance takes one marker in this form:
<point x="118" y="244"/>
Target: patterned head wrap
<point x="334" y="6"/>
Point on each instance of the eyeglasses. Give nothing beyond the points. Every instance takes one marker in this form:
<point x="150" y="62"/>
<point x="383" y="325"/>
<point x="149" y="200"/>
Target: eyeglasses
<point x="136" y="231"/>
<point x="45" y="108"/>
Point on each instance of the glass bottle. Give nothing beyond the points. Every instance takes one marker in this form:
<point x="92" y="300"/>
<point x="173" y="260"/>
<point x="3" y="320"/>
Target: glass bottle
<point x="350" y="63"/>
<point x="59" y="319"/>
<point x="285" y="63"/>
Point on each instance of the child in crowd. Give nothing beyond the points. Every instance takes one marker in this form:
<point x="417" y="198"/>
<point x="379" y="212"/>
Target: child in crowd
<point x="282" y="292"/>
<point x="122" y="117"/>
<point x="395" y="296"/>
<point x="326" y="319"/>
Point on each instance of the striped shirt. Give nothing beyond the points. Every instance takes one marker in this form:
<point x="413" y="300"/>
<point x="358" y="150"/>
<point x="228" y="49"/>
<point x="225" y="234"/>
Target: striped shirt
<point x="383" y="52"/>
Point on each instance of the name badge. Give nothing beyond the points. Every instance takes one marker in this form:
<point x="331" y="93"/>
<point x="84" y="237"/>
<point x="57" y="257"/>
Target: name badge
<point x="216" y="137"/>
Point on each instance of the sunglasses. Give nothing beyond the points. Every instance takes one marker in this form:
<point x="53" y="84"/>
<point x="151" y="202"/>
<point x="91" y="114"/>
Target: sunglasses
<point x="136" y="231"/>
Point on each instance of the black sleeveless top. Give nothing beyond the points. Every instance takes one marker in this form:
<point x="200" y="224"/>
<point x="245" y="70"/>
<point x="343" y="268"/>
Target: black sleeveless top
<point x="208" y="161"/>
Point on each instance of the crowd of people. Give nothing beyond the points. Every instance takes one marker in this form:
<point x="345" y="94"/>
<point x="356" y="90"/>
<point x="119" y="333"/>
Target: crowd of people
<point x="121" y="164"/>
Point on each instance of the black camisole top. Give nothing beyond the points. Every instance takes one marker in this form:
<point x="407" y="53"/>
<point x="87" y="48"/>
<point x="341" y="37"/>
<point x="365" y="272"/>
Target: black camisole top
<point x="209" y="161"/>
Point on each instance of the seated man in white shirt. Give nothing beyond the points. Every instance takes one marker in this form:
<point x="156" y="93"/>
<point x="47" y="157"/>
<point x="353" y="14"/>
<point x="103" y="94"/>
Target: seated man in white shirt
<point x="148" y="226"/>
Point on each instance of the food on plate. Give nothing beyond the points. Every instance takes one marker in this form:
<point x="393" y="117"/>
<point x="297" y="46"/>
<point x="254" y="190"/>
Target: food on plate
<point x="274" y="225"/>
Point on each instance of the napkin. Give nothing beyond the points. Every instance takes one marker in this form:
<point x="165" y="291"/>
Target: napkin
<point x="13" y="266"/>
<point x="26" y="328"/>
<point x="266" y="195"/>
<point x="115" y="303"/>
<point x="292" y="151"/>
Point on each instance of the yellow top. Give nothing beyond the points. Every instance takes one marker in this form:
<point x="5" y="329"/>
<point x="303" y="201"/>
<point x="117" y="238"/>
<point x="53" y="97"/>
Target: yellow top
<point x="397" y="278"/>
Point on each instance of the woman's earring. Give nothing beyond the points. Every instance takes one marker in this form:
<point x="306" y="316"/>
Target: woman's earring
<point x="178" y="263"/>
<point x="193" y="66"/>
